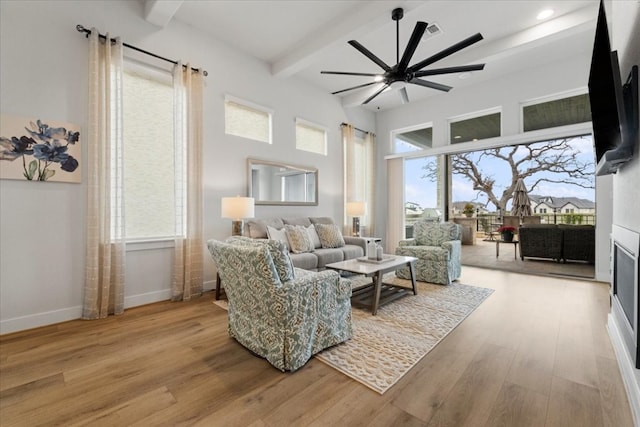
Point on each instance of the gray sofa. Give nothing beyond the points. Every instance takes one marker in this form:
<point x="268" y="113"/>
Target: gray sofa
<point x="559" y="242"/>
<point x="317" y="259"/>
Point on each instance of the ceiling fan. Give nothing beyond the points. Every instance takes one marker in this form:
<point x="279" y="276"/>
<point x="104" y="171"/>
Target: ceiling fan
<point x="402" y="73"/>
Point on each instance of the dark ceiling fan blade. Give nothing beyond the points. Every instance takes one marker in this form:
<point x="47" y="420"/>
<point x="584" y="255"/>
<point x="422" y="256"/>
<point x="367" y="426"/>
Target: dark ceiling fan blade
<point x="375" y="94"/>
<point x="418" y="32"/>
<point x="449" y="70"/>
<point x="344" y="73"/>
<point x="404" y="97"/>
<point x="370" y="55"/>
<point x="355" y="87"/>
<point x="432" y="85"/>
<point x="446" y="52"/>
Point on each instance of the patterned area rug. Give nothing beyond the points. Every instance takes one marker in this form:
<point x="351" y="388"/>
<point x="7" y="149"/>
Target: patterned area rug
<point x="385" y="346"/>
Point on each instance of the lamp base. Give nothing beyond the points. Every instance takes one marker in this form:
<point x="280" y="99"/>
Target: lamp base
<point x="237" y="228"/>
<point x="356" y="226"/>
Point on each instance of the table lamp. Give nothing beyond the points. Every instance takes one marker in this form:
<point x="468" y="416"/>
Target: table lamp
<point x="237" y="208"/>
<point x="356" y="209"/>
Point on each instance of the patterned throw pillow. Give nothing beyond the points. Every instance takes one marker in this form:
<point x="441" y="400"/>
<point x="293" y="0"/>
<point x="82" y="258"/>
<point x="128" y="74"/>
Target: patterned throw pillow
<point x="279" y="235"/>
<point x="313" y="235"/>
<point x="279" y="254"/>
<point x="299" y="240"/>
<point x="330" y="235"/>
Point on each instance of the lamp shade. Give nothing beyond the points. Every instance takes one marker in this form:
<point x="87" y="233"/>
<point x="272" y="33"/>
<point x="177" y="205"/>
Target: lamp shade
<point x="356" y="208"/>
<point x="237" y="207"/>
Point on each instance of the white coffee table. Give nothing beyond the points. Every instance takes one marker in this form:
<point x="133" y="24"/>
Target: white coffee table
<point x="376" y="293"/>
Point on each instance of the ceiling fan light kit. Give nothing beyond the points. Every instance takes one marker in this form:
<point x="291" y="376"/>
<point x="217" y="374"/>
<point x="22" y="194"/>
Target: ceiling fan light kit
<point x="400" y="74"/>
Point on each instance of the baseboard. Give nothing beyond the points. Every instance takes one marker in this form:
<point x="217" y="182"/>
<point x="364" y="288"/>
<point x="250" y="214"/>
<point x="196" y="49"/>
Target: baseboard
<point x="72" y="313"/>
<point x="39" y="319"/>
<point x="630" y="375"/>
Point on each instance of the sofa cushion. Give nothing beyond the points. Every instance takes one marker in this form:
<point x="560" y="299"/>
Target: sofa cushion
<point x="313" y="235"/>
<point x="299" y="239"/>
<point x="306" y="261"/>
<point x="330" y="235"/>
<point x="304" y="221"/>
<point x="278" y="234"/>
<point x="321" y="220"/>
<point x="279" y="254"/>
<point x="257" y="228"/>
<point x="327" y="256"/>
<point x="352" y="251"/>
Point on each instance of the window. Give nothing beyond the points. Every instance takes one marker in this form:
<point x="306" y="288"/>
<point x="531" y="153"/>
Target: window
<point x="413" y="139"/>
<point x="568" y="210"/>
<point x="251" y="121"/>
<point x="558" y="112"/>
<point x="148" y="153"/>
<point x="475" y="128"/>
<point x="311" y="137"/>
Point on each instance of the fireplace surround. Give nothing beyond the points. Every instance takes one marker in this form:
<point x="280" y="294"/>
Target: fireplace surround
<point x="624" y="319"/>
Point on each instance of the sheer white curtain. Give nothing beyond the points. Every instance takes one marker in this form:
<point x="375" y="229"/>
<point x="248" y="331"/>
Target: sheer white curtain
<point x="395" y="204"/>
<point x="359" y="174"/>
<point x="105" y="262"/>
<point x="187" y="267"/>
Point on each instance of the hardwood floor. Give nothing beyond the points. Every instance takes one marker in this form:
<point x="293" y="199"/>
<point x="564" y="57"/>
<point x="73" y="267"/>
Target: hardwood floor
<point x="535" y="353"/>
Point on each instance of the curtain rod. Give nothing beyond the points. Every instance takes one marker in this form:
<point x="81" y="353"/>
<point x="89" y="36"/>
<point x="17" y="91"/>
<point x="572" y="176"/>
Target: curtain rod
<point x="361" y="130"/>
<point x="82" y="29"/>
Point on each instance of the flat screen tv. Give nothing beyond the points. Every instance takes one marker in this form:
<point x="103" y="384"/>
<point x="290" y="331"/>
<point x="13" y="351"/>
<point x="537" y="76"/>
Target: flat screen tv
<point x="614" y="106"/>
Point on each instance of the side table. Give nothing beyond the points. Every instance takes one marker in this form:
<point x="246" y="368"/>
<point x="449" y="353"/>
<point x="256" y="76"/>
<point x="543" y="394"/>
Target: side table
<point x="515" y="247"/>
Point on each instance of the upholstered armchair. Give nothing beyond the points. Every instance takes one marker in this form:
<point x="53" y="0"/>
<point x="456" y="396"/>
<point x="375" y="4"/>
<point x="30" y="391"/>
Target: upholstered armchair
<point x="279" y="312"/>
<point x="438" y="249"/>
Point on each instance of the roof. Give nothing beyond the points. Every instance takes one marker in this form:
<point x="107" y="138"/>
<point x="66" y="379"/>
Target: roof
<point x="559" y="202"/>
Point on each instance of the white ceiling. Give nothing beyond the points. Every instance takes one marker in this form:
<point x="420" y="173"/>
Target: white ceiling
<point x="301" y="38"/>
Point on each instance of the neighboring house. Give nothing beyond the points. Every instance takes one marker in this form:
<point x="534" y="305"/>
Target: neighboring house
<point x="458" y="207"/>
<point x="411" y="208"/>
<point x="550" y="204"/>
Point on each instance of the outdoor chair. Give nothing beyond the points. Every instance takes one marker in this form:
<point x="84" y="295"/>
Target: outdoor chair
<point x="279" y="312"/>
<point x="438" y="249"/>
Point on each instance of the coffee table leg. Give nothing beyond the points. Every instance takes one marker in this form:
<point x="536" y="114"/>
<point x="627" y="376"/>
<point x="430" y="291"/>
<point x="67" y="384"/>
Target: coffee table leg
<point x="376" y="297"/>
<point x="413" y="278"/>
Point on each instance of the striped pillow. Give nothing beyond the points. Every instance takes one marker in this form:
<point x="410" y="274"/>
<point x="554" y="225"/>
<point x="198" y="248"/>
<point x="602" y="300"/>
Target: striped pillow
<point x="330" y="235"/>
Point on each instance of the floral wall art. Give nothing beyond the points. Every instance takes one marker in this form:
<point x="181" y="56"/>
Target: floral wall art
<point x="39" y="150"/>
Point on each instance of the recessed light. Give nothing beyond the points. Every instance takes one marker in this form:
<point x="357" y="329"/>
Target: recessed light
<point x="545" y="14"/>
<point x="378" y="78"/>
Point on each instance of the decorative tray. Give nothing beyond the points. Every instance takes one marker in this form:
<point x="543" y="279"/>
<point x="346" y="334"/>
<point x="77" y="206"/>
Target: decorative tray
<point x="385" y="258"/>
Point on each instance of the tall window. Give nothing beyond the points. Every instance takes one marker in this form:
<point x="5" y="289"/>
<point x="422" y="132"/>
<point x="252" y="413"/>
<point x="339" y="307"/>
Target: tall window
<point x="248" y="120"/>
<point x="311" y="137"/>
<point x="148" y="153"/>
<point x="359" y="180"/>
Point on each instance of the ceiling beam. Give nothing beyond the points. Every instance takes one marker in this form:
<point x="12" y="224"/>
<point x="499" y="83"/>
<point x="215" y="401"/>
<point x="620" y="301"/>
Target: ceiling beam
<point x="364" y="17"/>
<point x="160" y="12"/>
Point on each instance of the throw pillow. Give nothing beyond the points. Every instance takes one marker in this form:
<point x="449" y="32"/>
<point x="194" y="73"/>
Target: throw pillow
<point x="279" y="235"/>
<point x="278" y="251"/>
<point x="299" y="240"/>
<point x="330" y="235"/>
<point x="313" y="235"/>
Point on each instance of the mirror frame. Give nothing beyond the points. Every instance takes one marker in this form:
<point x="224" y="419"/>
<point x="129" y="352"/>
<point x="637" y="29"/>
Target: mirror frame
<point x="253" y="161"/>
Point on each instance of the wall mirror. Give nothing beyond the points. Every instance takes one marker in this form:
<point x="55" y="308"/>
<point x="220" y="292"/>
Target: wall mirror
<point x="275" y="183"/>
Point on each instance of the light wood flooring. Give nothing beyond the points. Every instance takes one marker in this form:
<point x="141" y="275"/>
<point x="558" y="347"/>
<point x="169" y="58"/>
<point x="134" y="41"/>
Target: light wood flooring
<point x="535" y="353"/>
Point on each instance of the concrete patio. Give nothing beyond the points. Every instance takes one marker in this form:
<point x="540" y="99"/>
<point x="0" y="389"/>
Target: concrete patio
<point x="483" y="254"/>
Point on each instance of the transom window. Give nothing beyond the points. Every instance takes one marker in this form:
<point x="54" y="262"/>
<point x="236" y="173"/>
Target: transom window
<point x="413" y="139"/>
<point x="247" y="120"/>
<point x="311" y="137"/>
<point x="557" y="112"/>
<point x="475" y="128"/>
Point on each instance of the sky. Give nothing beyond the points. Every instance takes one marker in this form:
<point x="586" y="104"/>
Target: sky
<point x="422" y="191"/>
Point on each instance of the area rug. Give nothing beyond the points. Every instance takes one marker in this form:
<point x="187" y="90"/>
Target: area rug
<point x="386" y="346"/>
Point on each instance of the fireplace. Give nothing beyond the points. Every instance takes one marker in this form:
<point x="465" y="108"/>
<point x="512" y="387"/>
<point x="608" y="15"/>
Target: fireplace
<point x="625" y="297"/>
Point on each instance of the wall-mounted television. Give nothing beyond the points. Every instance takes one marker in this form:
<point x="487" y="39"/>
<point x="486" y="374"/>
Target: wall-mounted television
<point x="614" y="105"/>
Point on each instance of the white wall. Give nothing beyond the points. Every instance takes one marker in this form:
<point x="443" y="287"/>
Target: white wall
<point x="507" y="93"/>
<point x="43" y="74"/>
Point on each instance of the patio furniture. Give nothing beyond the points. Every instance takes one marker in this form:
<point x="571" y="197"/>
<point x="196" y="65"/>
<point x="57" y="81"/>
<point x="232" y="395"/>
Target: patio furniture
<point x="578" y="243"/>
<point x="279" y="312"/>
<point x="438" y="249"/>
<point x="540" y="241"/>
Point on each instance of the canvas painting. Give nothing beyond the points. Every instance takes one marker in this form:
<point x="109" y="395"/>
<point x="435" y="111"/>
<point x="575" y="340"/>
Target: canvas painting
<point x="35" y="149"/>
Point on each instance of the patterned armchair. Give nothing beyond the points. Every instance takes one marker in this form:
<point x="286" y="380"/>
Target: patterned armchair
<point x="279" y="312"/>
<point x="437" y="247"/>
